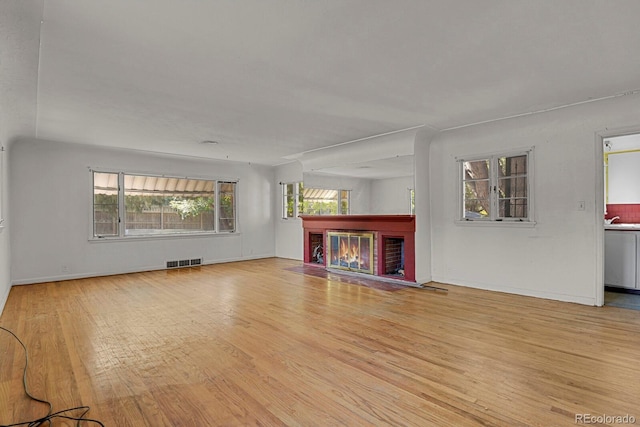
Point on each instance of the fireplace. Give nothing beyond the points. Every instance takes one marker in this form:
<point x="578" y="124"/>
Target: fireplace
<point x="381" y="245"/>
<point x="350" y="251"/>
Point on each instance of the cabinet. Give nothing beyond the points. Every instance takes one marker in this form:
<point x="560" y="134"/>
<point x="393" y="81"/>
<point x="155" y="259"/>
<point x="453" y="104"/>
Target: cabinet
<point x="621" y="259"/>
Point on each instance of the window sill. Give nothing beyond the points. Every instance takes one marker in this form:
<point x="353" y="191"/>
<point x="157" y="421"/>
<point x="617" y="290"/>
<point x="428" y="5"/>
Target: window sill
<point x="159" y="237"/>
<point x="507" y="224"/>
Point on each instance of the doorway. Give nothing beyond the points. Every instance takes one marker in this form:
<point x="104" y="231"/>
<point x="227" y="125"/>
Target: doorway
<point x="621" y="178"/>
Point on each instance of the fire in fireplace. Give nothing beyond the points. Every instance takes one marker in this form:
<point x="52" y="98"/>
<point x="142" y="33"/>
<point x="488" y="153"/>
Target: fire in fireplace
<point x="350" y="251"/>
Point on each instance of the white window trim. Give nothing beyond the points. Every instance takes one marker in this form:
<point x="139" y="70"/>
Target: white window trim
<point x="497" y="222"/>
<point x="121" y="208"/>
<point x="412" y="201"/>
<point x="283" y="200"/>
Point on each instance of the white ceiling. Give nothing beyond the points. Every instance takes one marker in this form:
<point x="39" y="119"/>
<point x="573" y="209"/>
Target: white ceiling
<point x="271" y="79"/>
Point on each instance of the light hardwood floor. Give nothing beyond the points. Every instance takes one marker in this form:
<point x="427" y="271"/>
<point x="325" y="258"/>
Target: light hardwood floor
<point x="251" y="343"/>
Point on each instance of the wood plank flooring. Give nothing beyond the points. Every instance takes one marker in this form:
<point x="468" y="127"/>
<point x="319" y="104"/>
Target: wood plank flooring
<point x="252" y="343"/>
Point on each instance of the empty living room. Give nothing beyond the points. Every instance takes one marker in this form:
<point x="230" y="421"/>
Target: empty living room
<point x="336" y="213"/>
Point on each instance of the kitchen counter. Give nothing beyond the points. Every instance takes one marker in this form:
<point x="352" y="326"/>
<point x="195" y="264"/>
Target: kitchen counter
<point x="622" y="227"/>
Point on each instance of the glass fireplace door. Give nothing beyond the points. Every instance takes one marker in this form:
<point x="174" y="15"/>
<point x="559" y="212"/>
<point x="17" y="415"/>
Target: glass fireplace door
<point x="351" y="251"/>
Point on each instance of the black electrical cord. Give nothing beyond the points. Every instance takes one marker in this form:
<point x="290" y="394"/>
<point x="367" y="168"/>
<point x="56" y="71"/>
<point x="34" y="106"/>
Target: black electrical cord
<point x="50" y="414"/>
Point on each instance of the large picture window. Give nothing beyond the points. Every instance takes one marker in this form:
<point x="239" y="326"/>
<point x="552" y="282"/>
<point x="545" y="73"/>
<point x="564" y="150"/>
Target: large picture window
<point x="145" y="205"/>
<point x="496" y="188"/>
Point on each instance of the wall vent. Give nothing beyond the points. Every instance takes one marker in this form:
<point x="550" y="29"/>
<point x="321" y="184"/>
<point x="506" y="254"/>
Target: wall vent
<point x="184" y="263"/>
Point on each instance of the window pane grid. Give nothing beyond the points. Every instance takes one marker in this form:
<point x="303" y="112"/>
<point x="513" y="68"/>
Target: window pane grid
<point x="513" y="208"/>
<point x="511" y="166"/>
<point x="513" y="187"/>
<point x="105" y="204"/>
<point x="495" y="188"/>
<point x="227" y="207"/>
<point x="477" y="208"/>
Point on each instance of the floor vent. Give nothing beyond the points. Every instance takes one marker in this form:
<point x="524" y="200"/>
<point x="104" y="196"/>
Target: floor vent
<point x="184" y="263"/>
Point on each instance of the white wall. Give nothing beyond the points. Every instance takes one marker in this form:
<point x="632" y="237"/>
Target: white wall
<point x="51" y="210"/>
<point x="288" y="232"/>
<point x="391" y="196"/>
<point x="561" y="257"/>
<point x="19" y="50"/>
<point x="624" y="176"/>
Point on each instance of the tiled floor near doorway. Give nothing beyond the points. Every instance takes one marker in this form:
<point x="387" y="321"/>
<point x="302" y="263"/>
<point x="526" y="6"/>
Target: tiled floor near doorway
<point x="622" y="300"/>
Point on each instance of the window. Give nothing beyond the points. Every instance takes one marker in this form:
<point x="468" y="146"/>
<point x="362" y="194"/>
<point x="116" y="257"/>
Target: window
<point x="496" y="188"/>
<point x="412" y="201"/>
<point x="227" y="206"/>
<point x="106" y="207"/>
<point x="145" y="205"/>
<point x="298" y="200"/>
<point x="319" y="201"/>
<point x="291" y="199"/>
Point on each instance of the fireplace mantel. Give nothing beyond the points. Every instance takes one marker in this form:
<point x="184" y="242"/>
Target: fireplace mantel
<point x="384" y="226"/>
<point x="361" y="222"/>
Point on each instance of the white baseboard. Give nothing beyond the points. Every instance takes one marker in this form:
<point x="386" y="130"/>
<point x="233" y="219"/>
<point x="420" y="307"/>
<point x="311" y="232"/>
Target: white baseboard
<point x="62" y="277"/>
<point x="519" y="291"/>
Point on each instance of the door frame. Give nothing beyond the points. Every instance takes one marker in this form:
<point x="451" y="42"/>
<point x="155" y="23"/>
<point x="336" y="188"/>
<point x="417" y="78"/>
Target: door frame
<point x="599" y="202"/>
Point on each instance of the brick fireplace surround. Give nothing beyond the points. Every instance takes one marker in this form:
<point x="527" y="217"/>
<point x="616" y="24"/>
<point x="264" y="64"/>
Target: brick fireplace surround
<point x="388" y="231"/>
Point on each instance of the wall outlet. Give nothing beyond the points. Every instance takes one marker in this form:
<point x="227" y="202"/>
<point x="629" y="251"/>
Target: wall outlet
<point x="65" y="268"/>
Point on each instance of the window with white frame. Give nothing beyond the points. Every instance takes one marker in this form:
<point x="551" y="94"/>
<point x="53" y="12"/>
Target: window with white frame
<point x="496" y="187"/>
<point x="291" y="199"/>
<point x="146" y="205"/>
<point x="298" y="200"/>
<point x="412" y="201"/>
<point x="321" y="201"/>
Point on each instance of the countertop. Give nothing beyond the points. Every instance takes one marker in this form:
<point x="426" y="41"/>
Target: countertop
<point x="622" y="227"/>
